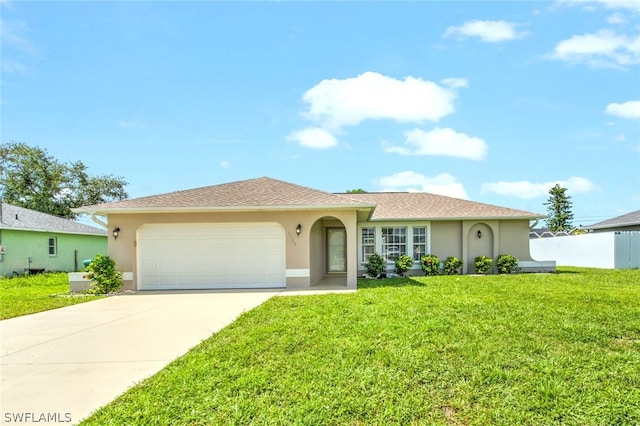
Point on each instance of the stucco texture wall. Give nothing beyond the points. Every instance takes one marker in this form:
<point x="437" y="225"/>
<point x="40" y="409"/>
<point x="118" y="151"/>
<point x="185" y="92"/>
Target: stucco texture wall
<point x="302" y="252"/>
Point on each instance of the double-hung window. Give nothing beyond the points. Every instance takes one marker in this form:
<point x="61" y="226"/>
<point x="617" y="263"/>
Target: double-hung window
<point x="53" y="246"/>
<point x="394" y="242"/>
<point x="368" y="243"/>
<point x="419" y="242"/>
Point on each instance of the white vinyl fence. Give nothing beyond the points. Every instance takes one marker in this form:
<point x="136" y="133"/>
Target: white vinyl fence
<point x="610" y="250"/>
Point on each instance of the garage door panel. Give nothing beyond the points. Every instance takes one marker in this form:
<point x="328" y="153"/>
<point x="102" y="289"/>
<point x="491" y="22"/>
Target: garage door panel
<point x="213" y="255"/>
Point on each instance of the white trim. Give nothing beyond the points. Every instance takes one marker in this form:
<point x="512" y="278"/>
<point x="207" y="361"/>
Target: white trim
<point x="297" y="273"/>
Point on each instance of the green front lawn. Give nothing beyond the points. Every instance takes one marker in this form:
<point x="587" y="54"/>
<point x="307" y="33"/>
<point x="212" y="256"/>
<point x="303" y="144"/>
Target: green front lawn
<point x="455" y="350"/>
<point x="36" y="293"/>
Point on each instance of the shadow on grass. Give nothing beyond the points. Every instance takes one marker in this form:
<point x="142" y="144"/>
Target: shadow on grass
<point x="393" y="282"/>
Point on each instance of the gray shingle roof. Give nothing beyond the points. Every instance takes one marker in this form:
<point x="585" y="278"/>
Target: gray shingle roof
<point x="260" y="193"/>
<point x="267" y="193"/>
<point x="629" y="219"/>
<point x="423" y="205"/>
<point x="19" y="218"/>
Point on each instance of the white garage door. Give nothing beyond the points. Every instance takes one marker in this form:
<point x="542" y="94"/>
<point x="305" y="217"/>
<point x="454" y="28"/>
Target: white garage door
<point x="211" y="255"/>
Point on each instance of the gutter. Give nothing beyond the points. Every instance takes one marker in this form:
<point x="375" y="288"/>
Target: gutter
<point x="99" y="221"/>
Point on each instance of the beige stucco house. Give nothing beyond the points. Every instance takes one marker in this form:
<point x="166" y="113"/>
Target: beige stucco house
<point x="269" y="233"/>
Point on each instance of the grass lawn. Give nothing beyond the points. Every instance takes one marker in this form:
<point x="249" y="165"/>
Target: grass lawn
<point x="36" y="293"/>
<point x="454" y="350"/>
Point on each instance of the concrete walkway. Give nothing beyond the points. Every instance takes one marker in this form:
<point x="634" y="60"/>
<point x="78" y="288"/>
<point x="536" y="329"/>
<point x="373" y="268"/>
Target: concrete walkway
<point x="58" y="366"/>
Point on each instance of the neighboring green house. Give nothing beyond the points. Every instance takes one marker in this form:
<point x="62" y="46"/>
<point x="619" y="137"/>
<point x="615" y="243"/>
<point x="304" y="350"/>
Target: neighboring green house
<point x="33" y="240"/>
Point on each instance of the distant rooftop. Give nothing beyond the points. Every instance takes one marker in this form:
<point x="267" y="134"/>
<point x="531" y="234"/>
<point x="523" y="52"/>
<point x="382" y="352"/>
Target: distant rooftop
<point x="629" y="219"/>
<point x="20" y="218"/>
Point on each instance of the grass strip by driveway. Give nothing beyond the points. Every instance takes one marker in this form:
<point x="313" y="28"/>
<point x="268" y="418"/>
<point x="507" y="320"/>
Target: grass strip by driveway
<point x="36" y="293"/>
<point x="456" y="350"/>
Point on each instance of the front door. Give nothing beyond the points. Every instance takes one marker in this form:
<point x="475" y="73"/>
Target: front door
<point x="336" y="250"/>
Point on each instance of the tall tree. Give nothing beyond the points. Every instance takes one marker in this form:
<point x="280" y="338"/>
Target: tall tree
<point x="559" y="209"/>
<point x="356" y="191"/>
<point x="31" y="178"/>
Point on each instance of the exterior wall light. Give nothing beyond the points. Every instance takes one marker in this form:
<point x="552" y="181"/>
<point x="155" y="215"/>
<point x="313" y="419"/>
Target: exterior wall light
<point x="116" y="232"/>
<point x="479" y="233"/>
<point x="298" y="229"/>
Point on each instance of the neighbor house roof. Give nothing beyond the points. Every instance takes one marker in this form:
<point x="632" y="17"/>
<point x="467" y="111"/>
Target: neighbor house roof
<point x="260" y="194"/>
<point x="424" y="205"/>
<point x="22" y="219"/>
<point x="629" y="219"/>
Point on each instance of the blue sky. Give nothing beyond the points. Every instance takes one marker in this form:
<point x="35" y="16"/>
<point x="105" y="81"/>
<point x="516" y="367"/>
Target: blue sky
<point x="490" y="101"/>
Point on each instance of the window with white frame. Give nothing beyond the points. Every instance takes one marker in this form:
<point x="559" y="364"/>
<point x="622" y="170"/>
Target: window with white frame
<point x="419" y="242"/>
<point x="53" y="246"/>
<point x="368" y="243"/>
<point x="394" y="242"/>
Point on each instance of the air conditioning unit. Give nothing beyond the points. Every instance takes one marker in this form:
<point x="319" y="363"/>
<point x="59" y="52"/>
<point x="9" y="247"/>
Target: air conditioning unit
<point x="3" y="250"/>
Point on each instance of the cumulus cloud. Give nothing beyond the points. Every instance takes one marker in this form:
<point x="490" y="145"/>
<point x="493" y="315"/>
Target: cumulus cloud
<point x="488" y="31"/>
<point x="526" y="189"/>
<point x="630" y="109"/>
<point x="313" y="137"/>
<point x="603" y="48"/>
<point x="339" y="103"/>
<point x="442" y="184"/>
<point x="446" y="142"/>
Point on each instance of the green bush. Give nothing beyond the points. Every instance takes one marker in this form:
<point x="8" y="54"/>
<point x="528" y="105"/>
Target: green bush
<point x="102" y="271"/>
<point x="452" y="265"/>
<point x="375" y="265"/>
<point x="430" y="264"/>
<point x="506" y="264"/>
<point x="403" y="264"/>
<point x="482" y="264"/>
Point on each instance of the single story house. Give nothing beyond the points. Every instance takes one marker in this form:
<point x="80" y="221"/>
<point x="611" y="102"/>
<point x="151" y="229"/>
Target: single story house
<point x="269" y="233"/>
<point x="32" y="240"/>
<point x="625" y="222"/>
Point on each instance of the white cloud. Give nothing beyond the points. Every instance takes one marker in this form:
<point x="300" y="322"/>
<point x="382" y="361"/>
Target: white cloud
<point x="225" y="164"/>
<point x="442" y="184"/>
<point x="445" y="141"/>
<point x="616" y="19"/>
<point x="526" y="189"/>
<point x="630" y="109"/>
<point x="489" y="31"/>
<point x="313" y="137"/>
<point x="603" y="48"/>
<point x="455" y="83"/>
<point x="338" y="103"/>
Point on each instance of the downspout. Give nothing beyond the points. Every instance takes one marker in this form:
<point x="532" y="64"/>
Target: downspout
<point x="534" y="224"/>
<point x="99" y="221"/>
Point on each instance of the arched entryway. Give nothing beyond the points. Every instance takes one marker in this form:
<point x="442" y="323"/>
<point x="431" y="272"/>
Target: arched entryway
<point x="479" y="243"/>
<point x="328" y="251"/>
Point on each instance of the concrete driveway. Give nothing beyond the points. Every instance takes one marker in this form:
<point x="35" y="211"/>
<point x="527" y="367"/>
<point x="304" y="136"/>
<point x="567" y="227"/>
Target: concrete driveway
<point x="59" y="366"/>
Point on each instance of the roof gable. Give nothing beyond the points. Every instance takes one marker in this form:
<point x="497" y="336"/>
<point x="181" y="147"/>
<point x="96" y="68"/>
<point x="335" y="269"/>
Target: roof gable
<point x="424" y="205"/>
<point x="23" y="219"/>
<point x="259" y="193"/>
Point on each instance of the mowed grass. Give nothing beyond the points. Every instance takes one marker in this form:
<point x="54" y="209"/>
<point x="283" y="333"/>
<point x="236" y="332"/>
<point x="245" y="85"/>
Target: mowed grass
<point x="36" y="293"/>
<point x="454" y="350"/>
